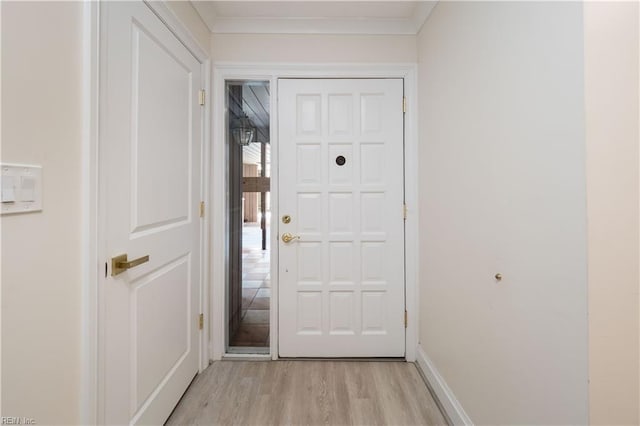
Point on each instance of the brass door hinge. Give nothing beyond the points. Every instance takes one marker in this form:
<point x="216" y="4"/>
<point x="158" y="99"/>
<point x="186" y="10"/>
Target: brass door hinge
<point x="202" y="97"/>
<point x="404" y="104"/>
<point x="201" y="321"/>
<point x="201" y="208"/>
<point x="406" y="319"/>
<point x="404" y="211"/>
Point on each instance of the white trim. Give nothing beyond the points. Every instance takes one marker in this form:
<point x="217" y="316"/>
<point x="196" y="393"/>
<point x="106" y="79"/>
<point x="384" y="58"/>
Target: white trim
<point x="93" y="225"/>
<point x="273" y="71"/>
<point x="89" y="228"/>
<point x="314" y="25"/>
<point x="412" y="246"/>
<point x="1" y="221"/>
<point x="275" y="222"/>
<point x="445" y="395"/>
<point x="217" y="198"/>
<point x="205" y="253"/>
<point x="423" y="10"/>
<point x="179" y="29"/>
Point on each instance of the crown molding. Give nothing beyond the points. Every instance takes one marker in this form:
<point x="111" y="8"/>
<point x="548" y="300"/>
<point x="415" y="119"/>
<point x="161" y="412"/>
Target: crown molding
<point x="369" y="26"/>
<point x="423" y="11"/>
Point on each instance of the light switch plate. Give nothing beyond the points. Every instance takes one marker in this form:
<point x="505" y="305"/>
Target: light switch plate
<point x="21" y="186"/>
<point x="8" y="189"/>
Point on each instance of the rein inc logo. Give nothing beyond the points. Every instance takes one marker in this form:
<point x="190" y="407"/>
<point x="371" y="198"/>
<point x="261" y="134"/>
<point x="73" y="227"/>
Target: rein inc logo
<point x="10" y="420"/>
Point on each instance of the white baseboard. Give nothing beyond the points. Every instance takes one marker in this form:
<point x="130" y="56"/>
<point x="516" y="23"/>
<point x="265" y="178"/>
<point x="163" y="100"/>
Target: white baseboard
<point x="447" y="399"/>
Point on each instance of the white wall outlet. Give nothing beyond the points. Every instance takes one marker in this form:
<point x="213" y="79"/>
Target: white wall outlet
<point x="21" y="188"/>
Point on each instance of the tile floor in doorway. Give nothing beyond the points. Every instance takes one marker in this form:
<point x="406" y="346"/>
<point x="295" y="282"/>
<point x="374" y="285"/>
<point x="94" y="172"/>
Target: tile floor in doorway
<point x="256" y="291"/>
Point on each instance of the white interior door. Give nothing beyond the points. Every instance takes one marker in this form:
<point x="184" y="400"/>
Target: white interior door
<point x="340" y="165"/>
<point x="150" y="150"/>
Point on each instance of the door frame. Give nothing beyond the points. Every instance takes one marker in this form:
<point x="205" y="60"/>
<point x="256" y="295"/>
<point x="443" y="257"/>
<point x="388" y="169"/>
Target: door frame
<point x="93" y="227"/>
<point x="271" y="72"/>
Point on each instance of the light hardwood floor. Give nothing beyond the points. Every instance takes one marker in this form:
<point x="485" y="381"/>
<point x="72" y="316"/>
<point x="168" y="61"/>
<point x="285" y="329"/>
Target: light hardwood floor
<point x="308" y="393"/>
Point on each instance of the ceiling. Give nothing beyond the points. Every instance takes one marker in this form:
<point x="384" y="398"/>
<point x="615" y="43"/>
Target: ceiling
<point x="314" y="17"/>
<point x="251" y="99"/>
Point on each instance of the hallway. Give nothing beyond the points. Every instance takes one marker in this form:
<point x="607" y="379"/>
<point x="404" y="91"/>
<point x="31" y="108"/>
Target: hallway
<point x="459" y="177"/>
<point x="308" y="392"/>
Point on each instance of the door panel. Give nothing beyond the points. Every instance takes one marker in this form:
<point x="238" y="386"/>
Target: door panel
<point x="150" y="149"/>
<point x="341" y="179"/>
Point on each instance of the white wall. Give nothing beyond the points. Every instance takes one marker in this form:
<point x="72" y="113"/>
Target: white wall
<point x="611" y="95"/>
<point x="41" y="285"/>
<point x="502" y="184"/>
<point x="305" y="48"/>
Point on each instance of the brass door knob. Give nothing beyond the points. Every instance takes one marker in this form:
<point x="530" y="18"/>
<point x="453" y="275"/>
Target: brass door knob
<point x="287" y="237"/>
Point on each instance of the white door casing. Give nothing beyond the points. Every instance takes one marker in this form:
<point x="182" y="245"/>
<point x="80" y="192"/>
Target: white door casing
<point x="150" y="158"/>
<point x="341" y="284"/>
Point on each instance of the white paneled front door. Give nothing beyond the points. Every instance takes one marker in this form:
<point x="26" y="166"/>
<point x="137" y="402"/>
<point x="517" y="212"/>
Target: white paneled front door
<point x="150" y="153"/>
<point x="340" y="164"/>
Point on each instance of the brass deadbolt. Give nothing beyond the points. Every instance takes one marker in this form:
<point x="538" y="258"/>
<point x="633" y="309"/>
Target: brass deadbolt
<point x="286" y="219"/>
<point x="498" y="277"/>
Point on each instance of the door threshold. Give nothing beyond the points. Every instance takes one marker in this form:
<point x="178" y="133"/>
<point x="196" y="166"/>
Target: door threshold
<point x="248" y="350"/>
<point x="354" y="359"/>
<point x="247" y="353"/>
<point x="246" y="357"/>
